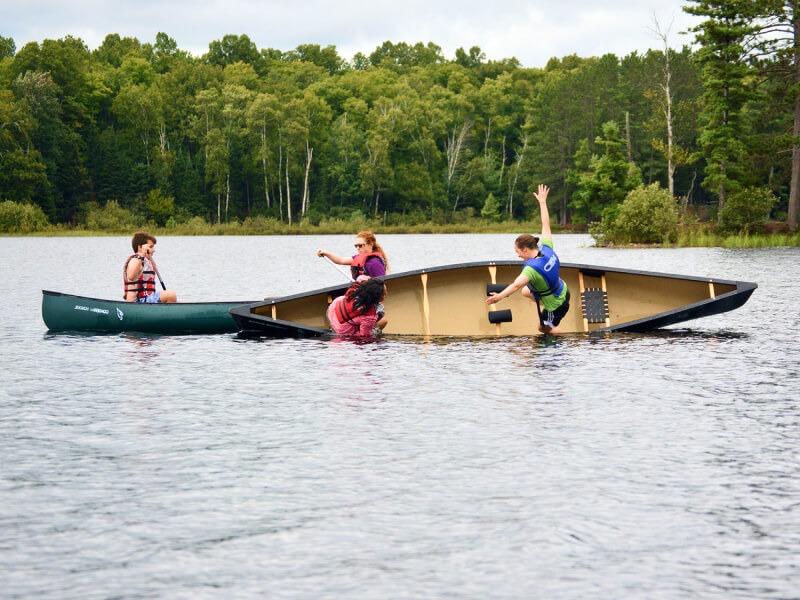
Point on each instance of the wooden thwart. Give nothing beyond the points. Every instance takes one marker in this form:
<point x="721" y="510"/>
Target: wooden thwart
<point x="605" y="292"/>
<point x="426" y="307"/>
<point x="493" y="275"/>
<point x="582" y="289"/>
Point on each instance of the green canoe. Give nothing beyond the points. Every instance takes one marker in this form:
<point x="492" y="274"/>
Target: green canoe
<point x="65" y="312"/>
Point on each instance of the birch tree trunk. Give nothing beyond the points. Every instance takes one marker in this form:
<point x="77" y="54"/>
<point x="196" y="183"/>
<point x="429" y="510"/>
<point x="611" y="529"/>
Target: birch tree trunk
<point x="453" y="147"/>
<point x="667" y="89"/>
<point x="668" y="115"/>
<point x="163" y="142"/>
<point x="227" y="193"/>
<point x="280" y="186"/>
<point x="306" y="199"/>
<point x="502" y="161"/>
<point x="264" y="162"/>
<point x="288" y="194"/>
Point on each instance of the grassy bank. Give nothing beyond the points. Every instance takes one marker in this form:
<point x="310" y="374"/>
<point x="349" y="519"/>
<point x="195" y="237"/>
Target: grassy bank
<point x="704" y="239"/>
<point x="700" y="238"/>
<point x="259" y="226"/>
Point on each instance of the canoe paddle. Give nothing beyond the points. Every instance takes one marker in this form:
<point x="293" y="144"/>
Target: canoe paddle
<point x="335" y="266"/>
<point x="155" y="268"/>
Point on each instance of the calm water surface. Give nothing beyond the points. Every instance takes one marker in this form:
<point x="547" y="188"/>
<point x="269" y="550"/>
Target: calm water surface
<point x="635" y="466"/>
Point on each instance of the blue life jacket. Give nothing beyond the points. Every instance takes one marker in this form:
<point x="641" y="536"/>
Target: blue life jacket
<point x="548" y="266"/>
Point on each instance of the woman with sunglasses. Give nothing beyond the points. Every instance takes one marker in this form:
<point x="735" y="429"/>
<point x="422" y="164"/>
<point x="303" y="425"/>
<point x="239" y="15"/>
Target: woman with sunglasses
<point x="368" y="261"/>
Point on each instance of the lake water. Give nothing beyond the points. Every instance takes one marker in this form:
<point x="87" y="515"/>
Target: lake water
<point x="664" y="465"/>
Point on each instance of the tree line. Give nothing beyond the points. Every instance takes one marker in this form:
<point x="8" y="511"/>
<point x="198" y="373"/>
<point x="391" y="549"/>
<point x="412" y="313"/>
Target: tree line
<point x="403" y="133"/>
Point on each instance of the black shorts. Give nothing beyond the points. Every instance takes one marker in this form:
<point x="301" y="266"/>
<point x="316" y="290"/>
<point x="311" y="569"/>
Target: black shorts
<point x="551" y="318"/>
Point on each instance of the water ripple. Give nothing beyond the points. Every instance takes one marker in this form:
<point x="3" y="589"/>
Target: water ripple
<point x="662" y="465"/>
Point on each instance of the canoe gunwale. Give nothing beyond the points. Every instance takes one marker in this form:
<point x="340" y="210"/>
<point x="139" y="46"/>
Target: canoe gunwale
<point x="160" y="304"/>
<point x="279" y="328"/>
<point x="706" y="307"/>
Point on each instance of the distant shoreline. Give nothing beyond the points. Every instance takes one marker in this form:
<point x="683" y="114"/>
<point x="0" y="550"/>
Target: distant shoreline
<point x="686" y="240"/>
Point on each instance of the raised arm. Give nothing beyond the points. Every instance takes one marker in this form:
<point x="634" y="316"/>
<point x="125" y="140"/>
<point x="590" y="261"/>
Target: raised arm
<point x="339" y="260"/>
<point x="541" y="196"/>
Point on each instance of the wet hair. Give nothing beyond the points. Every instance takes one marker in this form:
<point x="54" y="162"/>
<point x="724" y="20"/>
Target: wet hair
<point x="140" y="238"/>
<point x="369" y="237"/>
<point x="527" y="240"/>
<point x="367" y="294"/>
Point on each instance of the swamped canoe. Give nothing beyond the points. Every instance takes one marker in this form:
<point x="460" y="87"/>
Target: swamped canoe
<point x="65" y="312"/>
<point x="450" y="301"/>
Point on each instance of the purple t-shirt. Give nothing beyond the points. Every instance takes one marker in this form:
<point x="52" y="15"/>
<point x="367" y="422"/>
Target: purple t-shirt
<point x="374" y="266"/>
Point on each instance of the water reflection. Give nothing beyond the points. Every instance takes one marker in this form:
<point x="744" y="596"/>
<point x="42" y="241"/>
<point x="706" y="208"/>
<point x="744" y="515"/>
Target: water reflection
<point x="402" y="466"/>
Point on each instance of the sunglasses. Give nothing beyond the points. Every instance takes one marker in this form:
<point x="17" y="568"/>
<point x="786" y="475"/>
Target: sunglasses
<point x="359" y="245"/>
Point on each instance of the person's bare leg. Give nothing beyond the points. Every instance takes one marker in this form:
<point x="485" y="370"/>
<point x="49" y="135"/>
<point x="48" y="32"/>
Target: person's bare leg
<point x="526" y="292"/>
<point x="168" y="297"/>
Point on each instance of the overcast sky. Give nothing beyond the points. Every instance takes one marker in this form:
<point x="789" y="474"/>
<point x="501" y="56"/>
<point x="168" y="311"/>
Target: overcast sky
<point x="533" y="30"/>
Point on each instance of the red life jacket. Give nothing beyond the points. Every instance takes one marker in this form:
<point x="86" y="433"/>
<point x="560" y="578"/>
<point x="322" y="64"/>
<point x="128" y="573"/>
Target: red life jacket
<point x="357" y="266"/>
<point x="145" y="285"/>
<point x="346" y="310"/>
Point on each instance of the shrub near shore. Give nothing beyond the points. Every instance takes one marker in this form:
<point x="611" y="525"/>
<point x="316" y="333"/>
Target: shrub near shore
<point x="649" y="216"/>
<point x="18" y="217"/>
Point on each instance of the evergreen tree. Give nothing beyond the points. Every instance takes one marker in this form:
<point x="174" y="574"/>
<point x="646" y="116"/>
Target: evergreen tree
<point x="7" y="47"/>
<point x="602" y="180"/>
<point x="776" y="53"/>
<point x="491" y="208"/>
<point x="726" y="91"/>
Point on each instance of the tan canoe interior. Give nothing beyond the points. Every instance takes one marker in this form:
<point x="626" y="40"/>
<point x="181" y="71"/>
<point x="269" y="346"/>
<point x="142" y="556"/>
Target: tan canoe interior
<point x="452" y="301"/>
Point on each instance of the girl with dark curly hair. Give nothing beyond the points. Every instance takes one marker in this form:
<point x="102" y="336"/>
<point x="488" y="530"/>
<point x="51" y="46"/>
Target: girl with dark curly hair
<point x="355" y="313"/>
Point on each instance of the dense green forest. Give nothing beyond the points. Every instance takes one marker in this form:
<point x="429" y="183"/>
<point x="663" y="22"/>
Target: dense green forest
<point x="404" y="134"/>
